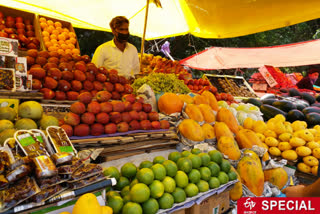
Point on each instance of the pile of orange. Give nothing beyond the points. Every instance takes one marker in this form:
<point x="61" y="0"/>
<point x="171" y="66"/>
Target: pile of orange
<point x="58" y="38"/>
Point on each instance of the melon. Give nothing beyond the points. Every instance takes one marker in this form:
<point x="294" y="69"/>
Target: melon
<point x="8" y="133"/>
<point x="7" y="113"/>
<point x="30" y="109"/>
<point x="48" y="121"/>
<point x="25" y="123"/>
<point x="6" y="124"/>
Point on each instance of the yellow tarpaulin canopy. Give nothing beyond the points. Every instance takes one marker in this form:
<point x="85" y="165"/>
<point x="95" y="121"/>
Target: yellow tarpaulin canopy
<point x="202" y="18"/>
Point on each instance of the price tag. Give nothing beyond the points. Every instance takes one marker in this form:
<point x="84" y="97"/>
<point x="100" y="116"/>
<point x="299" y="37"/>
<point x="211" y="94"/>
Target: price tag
<point x="267" y="76"/>
<point x="259" y="87"/>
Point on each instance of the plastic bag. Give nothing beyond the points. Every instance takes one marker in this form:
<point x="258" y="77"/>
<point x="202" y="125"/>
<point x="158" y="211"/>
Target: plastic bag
<point x="146" y="92"/>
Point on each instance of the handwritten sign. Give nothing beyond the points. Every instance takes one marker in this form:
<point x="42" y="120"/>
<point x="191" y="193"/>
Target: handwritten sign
<point x="8" y="47"/>
<point x="267" y="76"/>
<point x="259" y="87"/>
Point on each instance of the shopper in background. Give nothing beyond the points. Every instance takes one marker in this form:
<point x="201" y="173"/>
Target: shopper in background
<point x="310" y="80"/>
<point x="118" y="53"/>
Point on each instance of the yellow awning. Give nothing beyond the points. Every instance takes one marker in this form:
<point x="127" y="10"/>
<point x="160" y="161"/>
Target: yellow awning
<point x="202" y="18"/>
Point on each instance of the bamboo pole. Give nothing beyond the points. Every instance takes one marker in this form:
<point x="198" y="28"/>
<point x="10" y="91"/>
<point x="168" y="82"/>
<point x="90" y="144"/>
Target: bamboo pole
<point x="144" y="32"/>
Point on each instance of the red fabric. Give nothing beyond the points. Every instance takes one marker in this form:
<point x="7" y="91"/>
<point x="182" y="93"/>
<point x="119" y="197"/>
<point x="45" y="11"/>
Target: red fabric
<point x="297" y="54"/>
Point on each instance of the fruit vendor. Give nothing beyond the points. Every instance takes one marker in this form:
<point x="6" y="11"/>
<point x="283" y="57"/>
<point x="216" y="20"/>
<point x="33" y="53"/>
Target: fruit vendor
<point x="309" y="81"/>
<point x="118" y="53"/>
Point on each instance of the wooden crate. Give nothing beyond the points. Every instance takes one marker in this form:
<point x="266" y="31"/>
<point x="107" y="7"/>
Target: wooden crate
<point x="7" y="11"/>
<point x="21" y="95"/>
<point x="65" y="24"/>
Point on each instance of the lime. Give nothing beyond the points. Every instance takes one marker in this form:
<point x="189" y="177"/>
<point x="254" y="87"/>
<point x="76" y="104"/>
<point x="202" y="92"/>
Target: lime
<point x="214" y="168"/>
<point x="174" y="156"/>
<point x="185" y="153"/>
<point x="232" y="175"/>
<point x="203" y="186"/>
<point x="112" y="194"/>
<point x="181" y="179"/>
<point x="194" y="176"/>
<point x="158" y="159"/>
<point x="179" y="195"/>
<point x="156" y="189"/>
<point x="129" y="170"/>
<point x="123" y="181"/>
<point x="145" y="175"/>
<point x="196" y="161"/>
<point x="125" y="191"/>
<point x="214" y="183"/>
<point x="126" y="199"/>
<point x="169" y="184"/>
<point x="205" y="173"/>
<point x="225" y="166"/>
<point x="113" y="172"/>
<point x="116" y="203"/>
<point x="223" y="177"/>
<point x="171" y="168"/>
<point x="133" y="182"/>
<point x="145" y="164"/>
<point x="131" y="208"/>
<point x="185" y="164"/>
<point x="215" y="156"/>
<point x="166" y="201"/>
<point x="151" y="206"/>
<point x="159" y="171"/>
<point x="139" y="193"/>
<point x="191" y="190"/>
<point x="205" y="158"/>
<point x="195" y="151"/>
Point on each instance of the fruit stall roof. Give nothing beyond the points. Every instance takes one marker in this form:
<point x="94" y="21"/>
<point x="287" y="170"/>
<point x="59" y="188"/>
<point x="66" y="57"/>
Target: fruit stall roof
<point x="202" y="18"/>
<point x="296" y="54"/>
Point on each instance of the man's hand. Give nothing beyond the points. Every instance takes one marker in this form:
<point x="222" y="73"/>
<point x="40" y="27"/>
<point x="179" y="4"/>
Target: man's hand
<point x="294" y="191"/>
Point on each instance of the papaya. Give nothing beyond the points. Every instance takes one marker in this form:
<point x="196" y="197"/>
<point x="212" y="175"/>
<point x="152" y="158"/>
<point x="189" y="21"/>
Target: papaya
<point x="252" y="154"/>
<point x="226" y="116"/>
<point x="221" y="129"/>
<point x="207" y="113"/>
<point x="266" y="155"/>
<point x="236" y="191"/>
<point x="229" y="147"/>
<point x="208" y="131"/>
<point x="186" y="98"/>
<point x="199" y="99"/>
<point x="191" y="130"/>
<point x="211" y="99"/>
<point x="251" y="174"/>
<point x="277" y="177"/>
<point x="247" y="138"/>
<point x="194" y="112"/>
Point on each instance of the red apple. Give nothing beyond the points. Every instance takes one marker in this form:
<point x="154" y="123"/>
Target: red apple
<point x="88" y="118"/>
<point x="110" y="128"/>
<point x="102" y="118"/>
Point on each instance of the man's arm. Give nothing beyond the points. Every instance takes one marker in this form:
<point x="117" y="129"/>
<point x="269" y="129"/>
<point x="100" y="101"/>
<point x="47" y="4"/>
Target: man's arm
<point x="312" y="190"/>
<point x="98" y="57"/>
<point x="136" y="64"/>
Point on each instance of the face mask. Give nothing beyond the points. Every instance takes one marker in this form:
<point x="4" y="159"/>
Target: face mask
<point x="123" y="37"/>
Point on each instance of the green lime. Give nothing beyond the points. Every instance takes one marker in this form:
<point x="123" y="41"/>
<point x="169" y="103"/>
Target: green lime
<point x="133" y="182"/>
<point x="232" y="175"/>
<point x="113" y="172"/>
<point x="181" y="179"/>
<point x="166" y="201"/>
<point x="145" y="164"/>
<point x="151" y="206"/>
<point x="214" y="168"/>
<point x="214" y="183"/>
<point x="123" y="181"/>
<point x="223" y="177"/>
<point x="158" y="159"/>
<point x="139" y="193"/>
<point x="195" y="151"/>
<point x="196" y="161"/>
<point x="169" y="184"/>
<point x="174" y="156"/>
<point x="171" y="168"/>
<point x="205" y="158"/>
<point x="126" y="199"/>
<point x="191" y="190"/>
<point x="159" y="171"/>
<point x="215" y="156"/>
<point x="179" y="195"/>
<point x="156" y="189"/>
<point x="185" y="153"/>
<point x="225" y="166"/>
<point x="145" y="175"/>
<point x="203" y="186"/>
<point x="129" y="170"/>
<point x="194" y="176"/>
<point x="116" y="203"/>
<point x="205" y="173"/>
<point x="112" y="194"/>
<point x="185" y="164"/>
<point x="125" y="191"/>
<point x="131" y="208"/>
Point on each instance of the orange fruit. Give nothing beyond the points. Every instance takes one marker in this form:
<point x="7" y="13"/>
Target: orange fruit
<point x="45" y="33"/>
<point x="60" y="42"/>
<point x="48" y="44"/>
<point x="72" y="35"/>
<point x="43" y="25"/>
<point x="75" y="51"/>
<point x="54" y="41"/>
<point x="60" y="51"/>
<point x="57" y="24"/>
<point x="68" y="51"/>
<point x="68" y="41"/>
<point x="55" y="32"/>
<point x="61" y="37"/>
<point x="66" y="30"/>
<point x="59" y="29"/>
<point x="52" y="48"/>
<point x="73" y="41"/>
<point x="42" y="19"/>
<point x="53" y="36"/>
<point x="50" y="22"/>
<point x="46" y="39"/>
<point x="71" y="46"/>
<point x="64" y="46"/>
<point x="48" y="30"/>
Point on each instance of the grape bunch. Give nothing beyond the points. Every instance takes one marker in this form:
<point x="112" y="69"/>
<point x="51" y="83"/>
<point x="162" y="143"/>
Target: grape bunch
<point x="161" y="82"/>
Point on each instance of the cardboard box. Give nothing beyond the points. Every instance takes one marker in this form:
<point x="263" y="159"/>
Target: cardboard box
<point x="183" y="211"/>
<point x="215" y="204"/>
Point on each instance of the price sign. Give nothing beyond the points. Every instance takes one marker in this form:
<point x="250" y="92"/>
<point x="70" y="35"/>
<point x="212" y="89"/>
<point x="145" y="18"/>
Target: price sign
<point x="267" y="76"/>
<point x="259" y="87"/>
